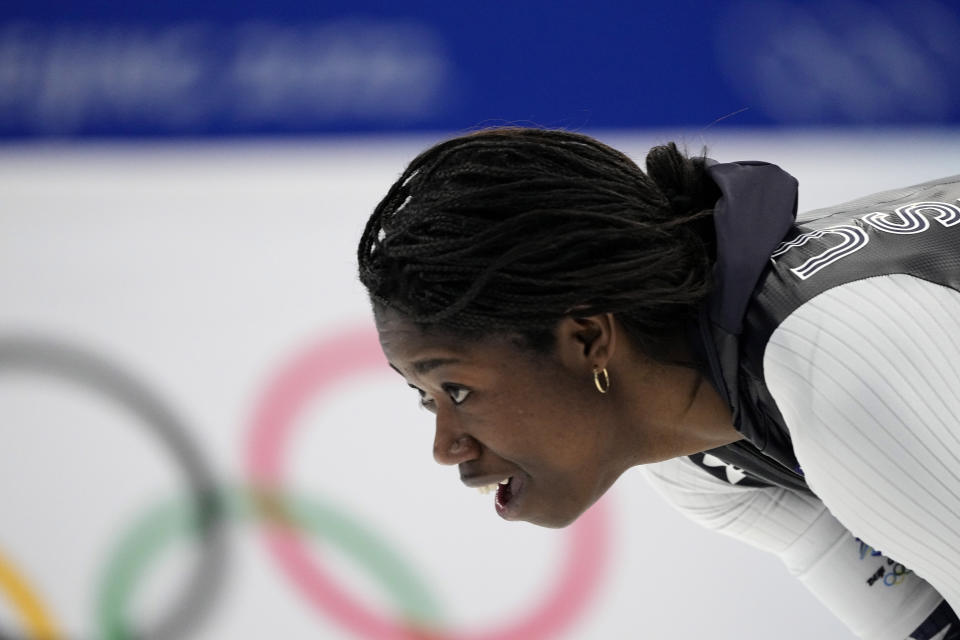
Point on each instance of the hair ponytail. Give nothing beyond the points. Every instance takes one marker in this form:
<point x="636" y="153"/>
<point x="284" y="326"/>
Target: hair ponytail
<point x="688" y="188"/>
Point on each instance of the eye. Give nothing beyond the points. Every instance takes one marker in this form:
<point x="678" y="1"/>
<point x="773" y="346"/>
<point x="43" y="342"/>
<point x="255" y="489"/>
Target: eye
<point x="426" y="402"/>
<point x="457" y="393"/>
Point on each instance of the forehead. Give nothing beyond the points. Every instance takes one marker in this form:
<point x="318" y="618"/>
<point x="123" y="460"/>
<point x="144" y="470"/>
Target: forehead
<point x="409" y="346"/>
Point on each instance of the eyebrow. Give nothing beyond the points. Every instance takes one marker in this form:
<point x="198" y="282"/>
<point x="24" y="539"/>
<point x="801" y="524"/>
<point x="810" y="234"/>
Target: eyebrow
<point x="425" y="366"/>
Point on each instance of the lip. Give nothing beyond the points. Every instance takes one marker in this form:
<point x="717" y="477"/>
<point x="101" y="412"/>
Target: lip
<point x="485" y="480"/>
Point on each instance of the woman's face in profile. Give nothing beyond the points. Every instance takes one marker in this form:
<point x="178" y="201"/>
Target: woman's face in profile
<point x="533" y="425"/>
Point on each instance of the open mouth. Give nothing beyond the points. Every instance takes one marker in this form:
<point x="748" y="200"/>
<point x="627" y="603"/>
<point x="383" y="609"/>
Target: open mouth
<point x="507" y="495"/>
<point x="507" y="491"/>
<point x="504" y="493"/>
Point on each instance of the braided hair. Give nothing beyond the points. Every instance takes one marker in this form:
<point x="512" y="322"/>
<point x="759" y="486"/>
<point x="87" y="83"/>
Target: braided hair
<point x="509" y="230"/>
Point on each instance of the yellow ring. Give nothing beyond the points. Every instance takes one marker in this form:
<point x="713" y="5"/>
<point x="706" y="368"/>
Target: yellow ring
<point x="26" y="603"/>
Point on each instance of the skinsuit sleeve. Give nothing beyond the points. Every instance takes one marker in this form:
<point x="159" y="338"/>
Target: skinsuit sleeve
<point x="875" y="597"/>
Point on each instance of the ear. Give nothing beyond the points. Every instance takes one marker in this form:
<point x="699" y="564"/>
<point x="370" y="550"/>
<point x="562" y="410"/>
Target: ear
<point x="587" y="342"/>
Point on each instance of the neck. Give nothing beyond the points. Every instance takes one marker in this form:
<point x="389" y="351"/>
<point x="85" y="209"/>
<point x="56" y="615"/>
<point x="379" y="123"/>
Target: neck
<point x="672" y="411"/>
<point x="708" y="420"/>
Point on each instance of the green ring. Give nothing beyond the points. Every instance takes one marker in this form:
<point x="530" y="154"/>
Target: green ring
<point x="171" y="519"/>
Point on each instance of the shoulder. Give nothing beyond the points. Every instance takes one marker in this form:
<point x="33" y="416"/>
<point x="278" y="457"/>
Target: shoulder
<point x="863" y="355"/>
<point x="872" y="322"/>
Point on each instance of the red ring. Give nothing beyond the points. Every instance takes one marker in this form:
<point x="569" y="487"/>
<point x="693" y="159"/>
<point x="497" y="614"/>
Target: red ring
<point x="314" y="372"/>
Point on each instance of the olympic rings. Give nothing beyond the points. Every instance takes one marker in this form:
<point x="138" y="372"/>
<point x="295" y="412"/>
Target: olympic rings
<point x="896" y="575"/>
<point x="27" y="603"/>
<point x="72" y="364"/>
<point x="204" y="512"/>
<point x="161" y="524"/>
<point x="331" y="361"/>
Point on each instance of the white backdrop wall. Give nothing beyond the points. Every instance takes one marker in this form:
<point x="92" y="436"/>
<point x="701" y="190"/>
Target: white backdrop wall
<point x="207" y="271"/>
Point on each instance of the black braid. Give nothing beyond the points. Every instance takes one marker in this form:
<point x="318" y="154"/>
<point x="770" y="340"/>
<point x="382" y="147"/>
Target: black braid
<point x="509" y="230"/>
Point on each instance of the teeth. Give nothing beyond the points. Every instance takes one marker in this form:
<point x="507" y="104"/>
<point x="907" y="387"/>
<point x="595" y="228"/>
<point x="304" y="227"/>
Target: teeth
<point x="490" y="488"/>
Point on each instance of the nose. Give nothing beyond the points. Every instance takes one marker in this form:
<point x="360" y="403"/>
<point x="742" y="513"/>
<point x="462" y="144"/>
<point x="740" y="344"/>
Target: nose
<point x="450" y="444"/>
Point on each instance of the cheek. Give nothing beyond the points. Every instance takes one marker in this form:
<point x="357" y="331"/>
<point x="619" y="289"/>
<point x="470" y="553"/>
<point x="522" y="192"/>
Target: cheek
<point x="559" y="423"/>
<point x="570" y="400"/>
<point x="531" y="408"/>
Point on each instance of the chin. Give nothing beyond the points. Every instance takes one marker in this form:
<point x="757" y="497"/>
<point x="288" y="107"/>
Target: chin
<point x="555" y="520"/>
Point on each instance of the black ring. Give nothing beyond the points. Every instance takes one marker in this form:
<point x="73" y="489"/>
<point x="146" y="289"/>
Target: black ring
<point x="61" y="360"/>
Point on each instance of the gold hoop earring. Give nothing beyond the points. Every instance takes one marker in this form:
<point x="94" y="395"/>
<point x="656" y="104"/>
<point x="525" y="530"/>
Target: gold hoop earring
<point x="601" y="379"/>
